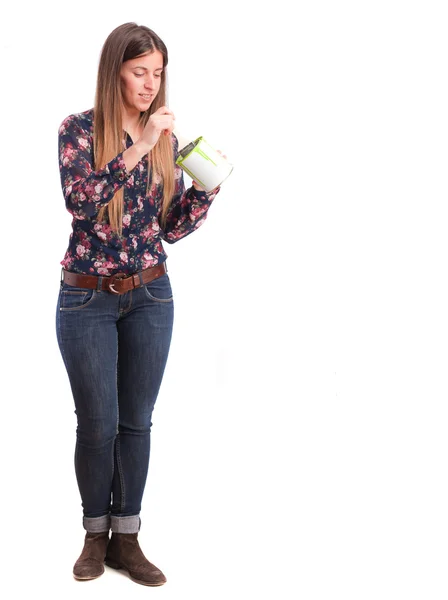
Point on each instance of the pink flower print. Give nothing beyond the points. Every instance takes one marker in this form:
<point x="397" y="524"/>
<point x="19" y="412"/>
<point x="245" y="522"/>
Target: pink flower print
<point x="67" y="262"/>
<point x="103" y="271"/>
<point x="83" y="142"/>
<point x="80" y="250"/>
<point x="134" y="243"/>
<point x="97" y="264"/>
<point x="126" y="220"/>
<point x="149" y="260"/>
<point x="196" y="212"/>
<point x="199" y="223"/>
<point x="123" y="257"/>
<point x="99" y="188"/>
<point x="145" y="234"/>
<point x="97" y="227"/>
<point x="68" y="156"/>
<point x="102" y="236"/>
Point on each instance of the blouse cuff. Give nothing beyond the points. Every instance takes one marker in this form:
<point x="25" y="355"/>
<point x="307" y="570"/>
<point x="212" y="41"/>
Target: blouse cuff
<point x="202" y="195"/>
<point x="117" y="168"/>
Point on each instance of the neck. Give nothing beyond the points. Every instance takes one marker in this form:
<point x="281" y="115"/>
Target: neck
<point x="130" y="119"/>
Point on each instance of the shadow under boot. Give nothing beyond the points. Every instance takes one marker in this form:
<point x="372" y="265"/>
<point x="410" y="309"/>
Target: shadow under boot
<point x="124" y="552"/>
<point x="90" y="564"/>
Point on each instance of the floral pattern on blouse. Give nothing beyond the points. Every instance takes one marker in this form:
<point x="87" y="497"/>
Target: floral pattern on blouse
<point x="93" y="247"/>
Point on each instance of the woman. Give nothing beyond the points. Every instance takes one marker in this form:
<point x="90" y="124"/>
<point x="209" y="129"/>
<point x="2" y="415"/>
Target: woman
<point x="115" y="308"/>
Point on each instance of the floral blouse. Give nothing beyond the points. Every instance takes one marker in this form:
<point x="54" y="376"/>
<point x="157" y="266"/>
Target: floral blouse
<point x="93" y="247"/>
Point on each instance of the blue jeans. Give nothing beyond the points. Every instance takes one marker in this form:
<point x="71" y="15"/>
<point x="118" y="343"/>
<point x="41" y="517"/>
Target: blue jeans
<point x="115" y="348"/>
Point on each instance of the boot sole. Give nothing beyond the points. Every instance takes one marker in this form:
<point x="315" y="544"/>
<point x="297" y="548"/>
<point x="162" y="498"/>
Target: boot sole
<point x="88" y="578"/>
<point x="118" y="567"/>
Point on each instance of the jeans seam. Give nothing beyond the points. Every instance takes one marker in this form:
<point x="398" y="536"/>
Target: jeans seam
<point x="120" y="474"/>
<point x="59" y="328"/>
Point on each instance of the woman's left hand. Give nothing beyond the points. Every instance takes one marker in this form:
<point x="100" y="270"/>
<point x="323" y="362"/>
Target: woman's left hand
<point x="196" y="185"/>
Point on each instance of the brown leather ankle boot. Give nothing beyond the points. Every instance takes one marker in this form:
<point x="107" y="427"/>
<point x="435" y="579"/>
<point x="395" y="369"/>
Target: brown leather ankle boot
<point x="90" y="564"/>
<point x="124" y="552"/>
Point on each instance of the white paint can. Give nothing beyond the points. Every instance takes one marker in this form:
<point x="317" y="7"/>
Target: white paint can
<point x="204" y="164"/>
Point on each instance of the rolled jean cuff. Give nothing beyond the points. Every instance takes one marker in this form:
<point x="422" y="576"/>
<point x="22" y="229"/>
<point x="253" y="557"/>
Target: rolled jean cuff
<point x="96" y="524"/>
<point x="125" y="524"/>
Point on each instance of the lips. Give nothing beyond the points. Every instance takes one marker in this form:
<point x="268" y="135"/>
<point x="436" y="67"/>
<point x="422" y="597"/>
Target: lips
<point x="146" y="96"/>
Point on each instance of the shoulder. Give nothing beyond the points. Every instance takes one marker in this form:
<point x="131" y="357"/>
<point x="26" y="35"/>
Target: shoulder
<point x="78" y="124"/>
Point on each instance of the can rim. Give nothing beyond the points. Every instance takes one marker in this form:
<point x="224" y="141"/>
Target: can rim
<point x="182" y="157"/>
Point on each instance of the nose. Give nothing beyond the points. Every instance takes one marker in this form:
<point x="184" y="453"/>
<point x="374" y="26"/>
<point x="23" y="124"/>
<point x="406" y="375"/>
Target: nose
<point x="150" y="83"/>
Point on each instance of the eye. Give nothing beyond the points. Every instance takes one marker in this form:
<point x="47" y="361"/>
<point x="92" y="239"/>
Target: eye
<point x="158" y="76"/>
<point x="138" y="74"/>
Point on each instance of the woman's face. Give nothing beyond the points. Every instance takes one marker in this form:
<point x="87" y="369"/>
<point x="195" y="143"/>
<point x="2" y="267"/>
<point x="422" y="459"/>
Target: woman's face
<point x="140" y="80"/>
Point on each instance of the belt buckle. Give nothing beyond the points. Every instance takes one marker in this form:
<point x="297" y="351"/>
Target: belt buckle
<point x="111" y="282"/>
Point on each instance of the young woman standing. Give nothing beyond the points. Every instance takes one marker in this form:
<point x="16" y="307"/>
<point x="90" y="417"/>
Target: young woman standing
<point x="115" y="308"/>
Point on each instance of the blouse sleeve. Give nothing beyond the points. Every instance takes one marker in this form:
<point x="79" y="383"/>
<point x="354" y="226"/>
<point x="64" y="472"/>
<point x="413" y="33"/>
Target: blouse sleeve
<point x="188" y="208"/>
<point x="86" y="191"/>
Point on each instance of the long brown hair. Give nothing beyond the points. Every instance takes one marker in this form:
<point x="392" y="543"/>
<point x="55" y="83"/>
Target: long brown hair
<point x="126" y="42"/>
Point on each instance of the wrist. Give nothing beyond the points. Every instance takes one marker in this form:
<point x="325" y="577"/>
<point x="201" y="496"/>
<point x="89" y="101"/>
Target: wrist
<point x="135" y="153"/>
<point x="142" y="148"/>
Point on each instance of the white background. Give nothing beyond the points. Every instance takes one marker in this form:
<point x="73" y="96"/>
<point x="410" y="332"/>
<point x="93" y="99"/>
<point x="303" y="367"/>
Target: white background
<point x="299" y="439"/>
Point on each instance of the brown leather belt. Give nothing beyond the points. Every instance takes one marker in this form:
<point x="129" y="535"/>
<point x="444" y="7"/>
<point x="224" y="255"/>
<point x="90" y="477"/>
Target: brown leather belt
<point x="119" y="283"/>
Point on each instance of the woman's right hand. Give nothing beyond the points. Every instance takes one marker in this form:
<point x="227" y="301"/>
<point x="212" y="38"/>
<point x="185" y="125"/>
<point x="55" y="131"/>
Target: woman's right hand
<point x="160" y="120"/>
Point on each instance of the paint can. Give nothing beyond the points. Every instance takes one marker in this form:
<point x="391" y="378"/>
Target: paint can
<point x="204" y="164"/>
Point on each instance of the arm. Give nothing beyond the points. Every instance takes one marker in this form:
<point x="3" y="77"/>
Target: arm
<point x="188" y="209"/>
<point x="86" y="191"/>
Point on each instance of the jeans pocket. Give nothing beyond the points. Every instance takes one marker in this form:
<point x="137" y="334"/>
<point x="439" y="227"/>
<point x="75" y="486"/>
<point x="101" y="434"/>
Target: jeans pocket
<point x="73" y="298"/>
<point x="159" y="289"/>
